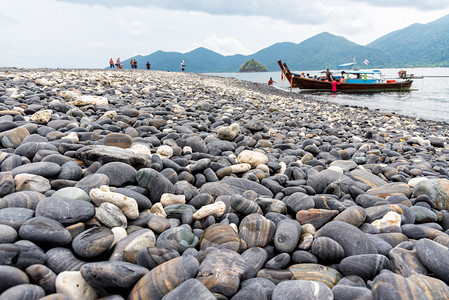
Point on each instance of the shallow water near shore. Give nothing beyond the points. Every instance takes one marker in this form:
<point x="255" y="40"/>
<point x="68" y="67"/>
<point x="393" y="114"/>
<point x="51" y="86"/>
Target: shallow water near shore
<point x="429" y="98"/>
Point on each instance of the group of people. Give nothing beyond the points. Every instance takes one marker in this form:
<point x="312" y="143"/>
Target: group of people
<point x="118" y="63"/>
<point x="132" y="62"/>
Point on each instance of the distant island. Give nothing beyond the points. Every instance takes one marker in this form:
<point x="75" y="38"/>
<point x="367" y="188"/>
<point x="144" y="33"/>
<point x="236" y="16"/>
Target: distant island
<point x="418" y="45"/>
<point x="252" y="66"/>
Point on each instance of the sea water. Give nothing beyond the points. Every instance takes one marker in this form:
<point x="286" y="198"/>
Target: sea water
<point x="428" y="99"/>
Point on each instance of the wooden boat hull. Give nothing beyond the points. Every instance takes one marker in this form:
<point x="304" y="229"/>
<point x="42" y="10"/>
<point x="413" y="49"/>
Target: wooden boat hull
<point x="308" y="84"/>
<point x="311" y="84"/>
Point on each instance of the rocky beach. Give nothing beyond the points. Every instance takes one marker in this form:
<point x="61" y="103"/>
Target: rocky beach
<point x="120" y="184"/>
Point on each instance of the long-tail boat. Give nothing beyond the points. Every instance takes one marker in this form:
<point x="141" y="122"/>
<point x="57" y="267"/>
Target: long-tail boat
<point x="352" y="80"/>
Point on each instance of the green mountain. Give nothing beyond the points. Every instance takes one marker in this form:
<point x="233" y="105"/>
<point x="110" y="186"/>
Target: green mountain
<point x="326" y="51"/>
<point x="419" y="45"/>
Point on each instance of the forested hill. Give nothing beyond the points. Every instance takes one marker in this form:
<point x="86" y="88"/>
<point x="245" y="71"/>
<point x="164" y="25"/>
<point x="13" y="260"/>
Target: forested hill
<point x="419" y="45"/>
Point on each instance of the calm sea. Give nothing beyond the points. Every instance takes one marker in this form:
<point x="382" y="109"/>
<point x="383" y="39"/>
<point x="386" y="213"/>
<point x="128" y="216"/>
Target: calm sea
<point x="429" y="98"/>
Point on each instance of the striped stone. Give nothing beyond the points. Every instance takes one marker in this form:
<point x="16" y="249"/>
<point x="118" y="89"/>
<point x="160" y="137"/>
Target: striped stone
<point x="392" y="286"/>
<point x="368" y="178"/>
<point x="14" y="137"/>
<point x="164" y="278"/>
<point x="316" y="217"/>
<point x="220" y="236"/>
<point x="316" y="272"/>
<point x="256" y="230"/>
<point x="118" y="140"/>
<point x="389" y="189"/>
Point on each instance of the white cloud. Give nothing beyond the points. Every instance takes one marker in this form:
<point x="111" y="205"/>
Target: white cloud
<point x="225" y="46"/>
<point x="290" y="9"/>
<point x="86" y="33"/>
<point x="416" y="4"/>
<point x="7" y="20"/>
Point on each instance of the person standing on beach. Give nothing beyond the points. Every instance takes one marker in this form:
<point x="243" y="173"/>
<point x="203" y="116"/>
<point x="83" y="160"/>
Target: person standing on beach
<point x="118" y="63"/>
<point x="182" y="66"/>
<point x="135" y="64"/>
<point x="111" y="63"/>
<point x="131" y="63"/>
<point x="148" y="65"/>
<point x="334" y="86"/>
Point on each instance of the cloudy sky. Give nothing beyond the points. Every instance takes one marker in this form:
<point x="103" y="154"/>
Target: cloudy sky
<point x="86" y="33"/>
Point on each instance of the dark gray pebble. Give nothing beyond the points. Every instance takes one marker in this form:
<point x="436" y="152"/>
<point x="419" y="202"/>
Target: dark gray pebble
<point x="366" y="266"/>
<point x="178" y="239"/>
<point x="92" y="242"/>
<point x="7" y="234"/>
<point x="45" y="169"/>
<point x="342" y="292"/>
<point x="152" y="257"/>
<point x="287" y="235"/>
<point x="23" y="291"/>
<point x="45" y="231"/>
<point x="65" y="211"/>
<point x="118" y="173"/>
<point x="11" y="276"/>
<point x="157" y="183"/>
<point x="190" y="289"/>
<point x="278" y="262"/>
<point x="142" y="201"/>
<point x="92" y="181"/>
<point x="25" y="199"/>
<point x="253" y="291"/>
<point x="70" y="171"/>
<point x="62" y="259"/>
<point x="255" y="259"/>
<point x="21" y="254"/>
<point x="301" y="289"/>
<point x="352" y="239"/>
<point x="327" y="250"/>
<point x="42" y="276"/>
<point x="301" y="256"/>
<point x="435" y="257"/>
<point x="112" y="274"/>
<point x="267" y="285"/>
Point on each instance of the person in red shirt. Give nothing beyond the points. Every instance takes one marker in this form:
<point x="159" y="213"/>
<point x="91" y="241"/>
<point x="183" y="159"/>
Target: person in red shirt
<point x="334" y="86"/>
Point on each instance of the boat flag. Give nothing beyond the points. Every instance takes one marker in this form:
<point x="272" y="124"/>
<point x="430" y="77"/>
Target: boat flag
<point x="366" y="62"/>
<point x="283" y="76"/>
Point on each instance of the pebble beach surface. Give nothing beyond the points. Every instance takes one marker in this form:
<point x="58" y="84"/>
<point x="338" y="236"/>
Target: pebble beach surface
<point x="124" y="184"/>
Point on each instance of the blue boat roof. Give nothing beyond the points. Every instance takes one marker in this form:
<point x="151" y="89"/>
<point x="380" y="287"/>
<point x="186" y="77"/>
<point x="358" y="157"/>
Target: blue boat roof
<point x="355" y="71"/>
<point x="346" y="65"/>
<point x="363" y="72"/>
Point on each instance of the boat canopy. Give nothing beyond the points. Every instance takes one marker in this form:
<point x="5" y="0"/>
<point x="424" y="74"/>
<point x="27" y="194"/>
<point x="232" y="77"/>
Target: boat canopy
<point x="355" y="71"/>
<point x="347" y="65"/>
<point x="363" y="72"/>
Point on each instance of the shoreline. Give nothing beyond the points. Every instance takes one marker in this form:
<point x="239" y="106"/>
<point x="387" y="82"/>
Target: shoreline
<point x="116" y="180"/>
